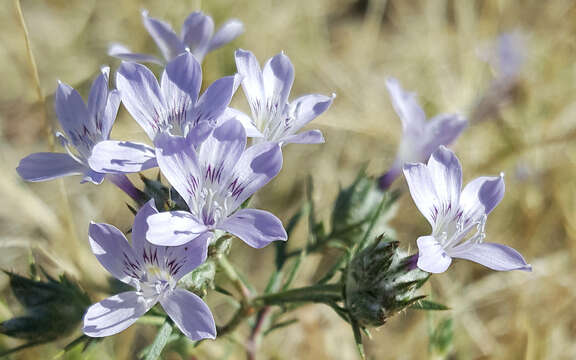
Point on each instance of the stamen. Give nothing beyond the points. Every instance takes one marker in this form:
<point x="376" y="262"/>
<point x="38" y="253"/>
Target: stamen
<point x="463" y="228"/>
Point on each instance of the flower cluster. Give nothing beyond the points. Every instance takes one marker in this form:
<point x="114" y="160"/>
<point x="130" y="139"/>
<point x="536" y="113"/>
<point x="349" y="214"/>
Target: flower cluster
<point x="215" y="158"/>
<point x="202" y="148"/>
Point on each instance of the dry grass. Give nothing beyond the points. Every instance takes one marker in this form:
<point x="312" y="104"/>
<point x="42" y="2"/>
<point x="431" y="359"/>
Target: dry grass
<point x="346" y="47"/>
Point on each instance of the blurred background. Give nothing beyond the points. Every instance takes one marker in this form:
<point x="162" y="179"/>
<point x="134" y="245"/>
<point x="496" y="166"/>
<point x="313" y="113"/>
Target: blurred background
<point x="347" y="47"/>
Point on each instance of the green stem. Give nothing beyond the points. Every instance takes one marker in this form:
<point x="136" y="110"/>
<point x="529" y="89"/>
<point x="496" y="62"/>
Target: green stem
<point x="152" y="320"/>
<point x="316" y="293"/>
<point x="160" y="341"/>
<point x="236" y="320"/>
<point x="234" y="277"/>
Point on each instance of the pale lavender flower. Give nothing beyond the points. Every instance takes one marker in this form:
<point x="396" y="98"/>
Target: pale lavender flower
<point x="84" y="125"/>
<point x="214" y="180"/>
<point x="154" y="271"/>
<point x="171" y="106"/>
<point x="273" y="117"/>
<point x="506" y="56"/>
<point x="419" y="137"/>
<point x="197" y="36"/>
<point x="457" y="216"/>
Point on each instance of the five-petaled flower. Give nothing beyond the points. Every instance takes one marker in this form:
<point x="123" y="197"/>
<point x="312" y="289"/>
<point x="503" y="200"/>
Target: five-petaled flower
<point x="419" y="137"/>
<point x="267" y="90"/>
<point x="457" y="216"/>
<point x="214" y="180"/>
<point x="171" y="106"/>
<point x="84" y="125"/>
<point x="154" y="271"/>
<point x="197" y="36"/>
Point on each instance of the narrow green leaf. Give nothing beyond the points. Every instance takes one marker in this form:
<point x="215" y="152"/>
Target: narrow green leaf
<point x="160" y="341"/>
<point x="342" y="312"/>
<point x="273" y="282"/>
<point x="339" y="265"/>
<point x="294" y="270"/>
<point x="428" y="305"/>
<point x="441" y="338"/>
<point x="80" y="339"/>
<point x="280" y="246"/>
<point x="312" y="239"/>
<point x="360" y="246"/>
<point x="20" y="348"/>
<point x="358" y="339"/>
<point x="223" y="291"/>
<point x="280" y="325"/>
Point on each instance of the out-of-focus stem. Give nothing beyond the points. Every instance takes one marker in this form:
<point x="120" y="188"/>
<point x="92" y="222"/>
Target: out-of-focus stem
<point x="262" y="318"/>
<point x="152" y="320"/>
<point x="46" y="124"/>
<point x="254" y="339"/>
<point x="34" y="69"/>
<point x="241" y="314"/>
<point x="234" y="278"/>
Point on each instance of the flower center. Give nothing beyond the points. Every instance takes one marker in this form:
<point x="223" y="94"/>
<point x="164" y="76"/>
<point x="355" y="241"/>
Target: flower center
<point x="155" y="281"/>
<point x="211" y="206"/>
<point x="461" y="232"/>
<point x="271" y="119"/>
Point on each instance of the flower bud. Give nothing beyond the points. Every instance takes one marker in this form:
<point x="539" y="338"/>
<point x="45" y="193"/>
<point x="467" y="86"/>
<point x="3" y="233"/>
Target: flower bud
<point x="381" y="281"/>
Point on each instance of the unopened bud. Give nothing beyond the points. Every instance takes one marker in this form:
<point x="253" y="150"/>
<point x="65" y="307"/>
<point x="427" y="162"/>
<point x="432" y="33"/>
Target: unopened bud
<point x="381" y="281"/>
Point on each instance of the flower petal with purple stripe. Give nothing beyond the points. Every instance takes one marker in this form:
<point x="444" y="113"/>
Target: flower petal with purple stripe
<point x="214" y="179"/>
<point x="85" y="126"/>
<point x="154" y="271"/>
<point x="458" y="217"/>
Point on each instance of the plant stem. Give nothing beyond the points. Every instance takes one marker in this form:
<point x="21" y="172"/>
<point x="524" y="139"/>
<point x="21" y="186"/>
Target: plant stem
<point x="262" y="318"/>
<point x="315" y="293"/>
<point x="160" y="342"/>
<point x="233" y="276"/>
<point x="45" y="122"/>
<point x="152" y="320"/>
<point x="253" y="341"/>
<point x="34" y="69"/>
<point x="242" y="313"/>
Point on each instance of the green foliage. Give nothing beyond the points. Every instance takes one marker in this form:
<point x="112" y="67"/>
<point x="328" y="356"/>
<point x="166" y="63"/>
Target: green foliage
<point x="162" y="337"/>
<point x="165" y="197"/>
<point x="356" y="206"/>
<point x="53" y="307"/>
<point x="441" y="338"/>
<point x="428" y="305"/>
